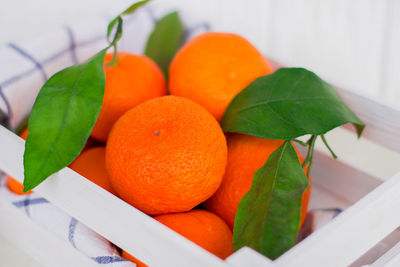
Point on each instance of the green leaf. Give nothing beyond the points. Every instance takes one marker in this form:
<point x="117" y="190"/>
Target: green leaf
<point x="268" y="216"/>
<point x="134" y="6"/>
<point x="118" y="20"/>
<point x="62" y="119"/>
<point x="165" y="40"/>
<point x="286" y="104"/>
<point x="118" y="32"/>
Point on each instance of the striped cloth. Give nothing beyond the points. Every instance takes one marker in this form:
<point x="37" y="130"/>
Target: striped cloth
<point x="65" y="227"/>
<point x="26" y="66"/>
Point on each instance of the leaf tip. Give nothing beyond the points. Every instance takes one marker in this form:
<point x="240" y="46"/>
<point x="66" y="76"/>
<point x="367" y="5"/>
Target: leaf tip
<point x="359" y="128"/>
<point x="27" y="186"/>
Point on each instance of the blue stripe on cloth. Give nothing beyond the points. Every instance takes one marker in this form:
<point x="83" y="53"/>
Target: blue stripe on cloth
<point x="150" y="13"/>
<point x="71" y="231"/>
<point x="28" y="201"/>
<point x="72" y="46"/>
<point x="49" y="59"/>
<point x="26" y="207"/>
<point x="188" y="32"/>
<point x="8" y="106"/>
<point x="108" y="259"/>
<point x="336" y="211"/>
<point x="30" y="58"/>
<point x="95" y="39"/>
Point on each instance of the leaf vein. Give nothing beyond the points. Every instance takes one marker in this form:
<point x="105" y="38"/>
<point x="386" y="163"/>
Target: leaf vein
<point x="63" y="122"/>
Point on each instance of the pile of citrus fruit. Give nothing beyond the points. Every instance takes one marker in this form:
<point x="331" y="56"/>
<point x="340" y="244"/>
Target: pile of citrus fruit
<point x="164" y="151"/>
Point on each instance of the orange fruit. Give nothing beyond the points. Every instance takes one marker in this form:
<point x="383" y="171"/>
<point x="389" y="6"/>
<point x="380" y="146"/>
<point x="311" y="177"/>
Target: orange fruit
<point x="24" y="134"/>
<point x="213" y="67"/>
<point x="12" y="184"/>
<point x="15" y="186"/>
<point x="128" y="256"/>
<point x="166" y="155"/>
<point x="91" y="164"/>
<point x="203" y="228"/>
<point x="134" y="79"/>
<point x="246" y="154"/>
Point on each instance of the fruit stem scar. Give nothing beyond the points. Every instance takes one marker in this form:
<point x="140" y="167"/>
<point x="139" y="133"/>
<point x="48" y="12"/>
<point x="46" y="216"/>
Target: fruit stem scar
<point x="157" y="132"/>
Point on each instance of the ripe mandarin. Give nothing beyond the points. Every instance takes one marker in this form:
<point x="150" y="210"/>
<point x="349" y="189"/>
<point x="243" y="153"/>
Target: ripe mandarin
<point x="128" y="256"/>
<point x="203" y="228"/>
<point x="15" y="186"/>
<point x="166" y="155"/>
<point x="213" y="67"/>
<point x="134" y="79"/>
<point x="246" y="154"/>
<point x="91" y="164"/>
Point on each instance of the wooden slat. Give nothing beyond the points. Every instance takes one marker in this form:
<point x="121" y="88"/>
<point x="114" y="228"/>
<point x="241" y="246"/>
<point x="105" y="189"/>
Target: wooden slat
<point x="390" y="259"/>
<point x="120" y="223"/>
<point x="352" y="233"/>
<point x="246" y="256"/>
<point x="382" y="119"/>
<point x="343" y="180"/>
<point x="36" y="241"/>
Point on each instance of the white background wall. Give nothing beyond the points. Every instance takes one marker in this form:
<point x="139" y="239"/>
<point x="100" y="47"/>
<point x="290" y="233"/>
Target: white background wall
<point x="353" y="44"/>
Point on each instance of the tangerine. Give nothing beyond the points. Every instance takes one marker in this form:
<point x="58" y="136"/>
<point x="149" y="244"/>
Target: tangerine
<point x="213" y="67"/>
<point x="203" y="228"/>
<point x="91" y="164"/>
<point x="166" y="155"/>
<point x="246" y="154"/>
<point x="134" y="79"/>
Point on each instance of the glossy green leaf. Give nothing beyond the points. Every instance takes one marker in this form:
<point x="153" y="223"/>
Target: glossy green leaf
<point x="62" y="119"/>
<point x="134" y="6"/>
<point x="118" y="32"/>
<point x="286" y="104"/>
<point x="165" y="40"/>
<point x="268" y="216"/>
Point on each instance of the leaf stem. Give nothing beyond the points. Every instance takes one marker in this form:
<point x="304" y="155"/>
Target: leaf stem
<point x="300" y="142"/>
<point x="114" y="60"/>
<point x="311" y="150"/>
<point x="309" y="158"/>
<point x="328" y="147"/>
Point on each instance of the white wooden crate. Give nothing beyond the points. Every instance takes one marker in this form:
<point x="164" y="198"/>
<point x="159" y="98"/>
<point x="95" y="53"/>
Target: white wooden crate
<point x="369" y="195"/>
<point x="363" y="224"/>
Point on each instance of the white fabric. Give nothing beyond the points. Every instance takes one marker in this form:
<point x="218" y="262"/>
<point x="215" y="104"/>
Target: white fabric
<point x="24" y="69"/>
<point x="65" y="227"/>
